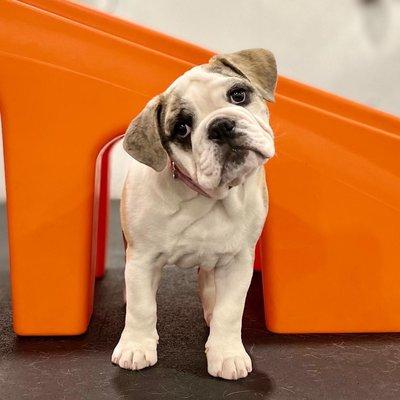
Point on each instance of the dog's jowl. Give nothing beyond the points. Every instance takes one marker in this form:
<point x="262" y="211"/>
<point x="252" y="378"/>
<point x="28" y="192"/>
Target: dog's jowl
<point x="195" y="196"/>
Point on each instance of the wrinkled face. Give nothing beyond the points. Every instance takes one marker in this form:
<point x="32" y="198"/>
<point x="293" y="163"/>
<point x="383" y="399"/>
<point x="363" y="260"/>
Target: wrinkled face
<point x="215" y="128"/>
<point x="212" y="122"/>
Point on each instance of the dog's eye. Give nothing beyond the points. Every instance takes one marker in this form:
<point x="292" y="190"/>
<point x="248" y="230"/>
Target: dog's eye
<point x="182" y="130"/>
<point x="237" y="96"/>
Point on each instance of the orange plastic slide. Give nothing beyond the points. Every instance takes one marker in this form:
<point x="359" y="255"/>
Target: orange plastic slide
<point x="70" y="81"/>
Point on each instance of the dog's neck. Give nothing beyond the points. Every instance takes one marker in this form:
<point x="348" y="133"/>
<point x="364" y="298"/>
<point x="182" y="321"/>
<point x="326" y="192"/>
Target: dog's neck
<point x="178" y="174"/>
<point x="176" y="193"/>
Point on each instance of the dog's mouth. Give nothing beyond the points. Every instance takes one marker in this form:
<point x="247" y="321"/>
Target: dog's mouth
<point x="238" y="162"/>
<point x="243" y="142"/>
<point x="258" y="152"/>
<point x="237" y="154"/>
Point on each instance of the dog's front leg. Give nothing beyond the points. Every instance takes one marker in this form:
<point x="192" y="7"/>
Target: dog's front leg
<point x="137" y="347"/>
<point x="226" y="355"/>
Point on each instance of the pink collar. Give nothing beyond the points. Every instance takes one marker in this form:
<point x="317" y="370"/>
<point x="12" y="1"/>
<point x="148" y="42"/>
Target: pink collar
<point x="178" y="174"/>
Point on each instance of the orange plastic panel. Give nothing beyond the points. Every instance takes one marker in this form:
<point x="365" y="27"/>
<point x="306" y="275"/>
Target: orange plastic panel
<point x="71" y="79"/>
<point x="332" y="240"/>
<point x="66" y="90"/>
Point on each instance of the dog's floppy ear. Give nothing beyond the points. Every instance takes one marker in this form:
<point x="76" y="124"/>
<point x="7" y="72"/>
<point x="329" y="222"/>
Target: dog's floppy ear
<point x="142" y="139"/>
<point x="257" y="65"/>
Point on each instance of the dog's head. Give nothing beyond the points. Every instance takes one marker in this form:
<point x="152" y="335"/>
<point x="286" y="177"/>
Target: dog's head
<point x="212" y="121"/>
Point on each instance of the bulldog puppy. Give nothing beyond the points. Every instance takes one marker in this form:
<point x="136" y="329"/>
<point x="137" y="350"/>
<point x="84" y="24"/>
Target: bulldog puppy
<point x="196" y="196"/>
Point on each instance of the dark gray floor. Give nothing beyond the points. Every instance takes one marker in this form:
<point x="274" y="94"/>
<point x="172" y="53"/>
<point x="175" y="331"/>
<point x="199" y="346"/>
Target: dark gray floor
<point x="333" y="367"/>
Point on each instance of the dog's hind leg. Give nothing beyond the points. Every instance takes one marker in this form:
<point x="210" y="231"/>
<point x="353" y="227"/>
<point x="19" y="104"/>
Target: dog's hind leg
<point x="207" y="292"/>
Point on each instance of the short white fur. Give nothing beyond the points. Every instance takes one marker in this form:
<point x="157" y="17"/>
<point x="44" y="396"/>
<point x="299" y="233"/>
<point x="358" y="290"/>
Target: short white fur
<point x="165" y="223"/>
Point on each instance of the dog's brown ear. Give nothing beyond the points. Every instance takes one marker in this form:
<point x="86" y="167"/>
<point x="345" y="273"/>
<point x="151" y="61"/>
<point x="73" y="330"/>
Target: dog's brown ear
<point x="142" y="139"/>
<point x="257" y="65"/>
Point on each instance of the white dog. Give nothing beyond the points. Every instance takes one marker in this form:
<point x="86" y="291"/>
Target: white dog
<point x="196" y="197"/>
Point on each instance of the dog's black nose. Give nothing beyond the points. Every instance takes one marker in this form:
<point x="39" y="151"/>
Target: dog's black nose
<point x="221" y="129"/>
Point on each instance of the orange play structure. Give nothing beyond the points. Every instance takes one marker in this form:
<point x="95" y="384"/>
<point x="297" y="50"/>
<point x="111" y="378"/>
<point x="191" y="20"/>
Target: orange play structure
<point x="71" y="79"/>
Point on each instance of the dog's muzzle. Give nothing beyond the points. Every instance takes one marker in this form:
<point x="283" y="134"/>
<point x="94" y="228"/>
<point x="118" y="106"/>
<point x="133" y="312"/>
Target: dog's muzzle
<point x="228" y="145"/>
<point x="231" y="136"/>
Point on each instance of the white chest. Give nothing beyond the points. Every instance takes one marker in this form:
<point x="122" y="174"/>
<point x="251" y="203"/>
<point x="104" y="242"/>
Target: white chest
<point x="196" y="231"/>
<point x="207" y="240"/>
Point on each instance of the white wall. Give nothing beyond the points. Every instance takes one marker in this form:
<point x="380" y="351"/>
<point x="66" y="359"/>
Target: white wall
<point x="337" y="45"/>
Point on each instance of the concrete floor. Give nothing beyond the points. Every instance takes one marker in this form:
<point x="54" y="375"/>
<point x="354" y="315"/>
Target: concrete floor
<point x="312" y="367"/>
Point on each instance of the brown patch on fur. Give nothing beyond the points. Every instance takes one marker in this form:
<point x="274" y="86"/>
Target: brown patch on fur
<point x="256" y="65"/>
<point x="142" y="139"/>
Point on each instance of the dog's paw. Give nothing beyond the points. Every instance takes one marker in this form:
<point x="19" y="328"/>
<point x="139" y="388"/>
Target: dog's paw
<point x="134" y="355"/>
<point x="228" y="364"/>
